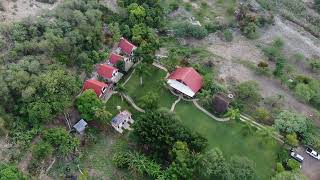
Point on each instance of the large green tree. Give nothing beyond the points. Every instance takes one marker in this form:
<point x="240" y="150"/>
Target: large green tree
<point x="243" y="168"/>
<point x="289" y="122"/>
<point x="87" y="104"/>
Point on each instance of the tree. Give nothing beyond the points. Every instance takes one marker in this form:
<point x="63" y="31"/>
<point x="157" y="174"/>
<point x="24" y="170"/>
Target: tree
<point x="39" y="112"/>
<point x="142" y="70"/>
<point x="292" y="140"/>
<point x="87" y="104"/>
<point x="149" y="101"/>
<point x="289" y="122"/>
<point x="115" y="31"/>
<point x="158" y="130"/>
<point x="121" y="65"/>
<point x="248" y="92"/>
<point x="212" y="165"/>
<point x="289" y="175"/>
<point x="182" y="165"/>
<point x="189" y="30"/>
<point x="9" y="172"/>
<point x="102" y="115"/>
<point x="242" y="168"/>
<point x="61" y="140"/>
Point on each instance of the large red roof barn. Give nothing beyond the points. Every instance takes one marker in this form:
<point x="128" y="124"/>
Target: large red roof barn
<point x="186" y="80"/>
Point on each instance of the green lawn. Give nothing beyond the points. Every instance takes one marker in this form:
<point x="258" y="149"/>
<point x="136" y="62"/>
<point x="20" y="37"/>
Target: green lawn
<point x="115" y="101"/>
<point x="228" y="136"/>
<point x="152" y="83"/>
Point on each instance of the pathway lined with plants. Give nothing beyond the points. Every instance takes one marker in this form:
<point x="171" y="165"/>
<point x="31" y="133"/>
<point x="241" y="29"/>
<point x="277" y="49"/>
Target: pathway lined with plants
<point x="130" y="100"/>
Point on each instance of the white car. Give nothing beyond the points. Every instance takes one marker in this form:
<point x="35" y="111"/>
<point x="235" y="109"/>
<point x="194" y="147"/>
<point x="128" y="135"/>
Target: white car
<point x="296" y="156"/>
<point x="313" y="153"/>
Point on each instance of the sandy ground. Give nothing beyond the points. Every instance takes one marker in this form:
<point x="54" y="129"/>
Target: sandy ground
<point x="15" y="11"/>
<point x="243" y="49"/>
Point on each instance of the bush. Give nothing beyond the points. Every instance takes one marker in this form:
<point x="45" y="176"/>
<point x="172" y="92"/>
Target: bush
<point x="315" y="65"/>
<point x="190" y="30"/>
<point x="250" y="30"/>
<point x="292" y="140"/>
<point x="120" y="160"/>
<point x="42" y="150"/>
<point x="279" y="167"/>
<point x="293" y="164"/>
<point x="227" y="34"/>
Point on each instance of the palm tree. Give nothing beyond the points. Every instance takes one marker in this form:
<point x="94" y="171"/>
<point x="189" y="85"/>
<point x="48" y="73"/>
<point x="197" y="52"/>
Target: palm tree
<point x="142" y="70"/>
<point x="233" y="114"/>
<point x="121" y="90"/>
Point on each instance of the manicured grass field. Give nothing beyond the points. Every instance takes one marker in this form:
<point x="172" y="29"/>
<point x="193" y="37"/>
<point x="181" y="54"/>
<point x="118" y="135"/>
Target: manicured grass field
<point x="152" y="83"/>
<point x="229" y="137"/>
<point x="115" y="101"/>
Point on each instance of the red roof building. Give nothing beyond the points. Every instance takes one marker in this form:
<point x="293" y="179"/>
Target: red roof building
<point x="106" y="71"/>
<point x="115" y="58"/>
<point x="98" y="87"/>
<point x="186" y="80"/>
<point x="126" y="46"/>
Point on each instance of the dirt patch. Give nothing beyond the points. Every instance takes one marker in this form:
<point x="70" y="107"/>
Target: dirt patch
<point x="19" y="9"/>
<point x="111" y="4"/>
<point x="4" y="150"/>
<point x="239" y="48"/>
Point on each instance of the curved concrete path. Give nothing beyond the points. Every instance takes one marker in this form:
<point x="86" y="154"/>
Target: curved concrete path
<point x="175" y="103"/>
<point x="208" y="113"/>
<point x="130" y="100"/>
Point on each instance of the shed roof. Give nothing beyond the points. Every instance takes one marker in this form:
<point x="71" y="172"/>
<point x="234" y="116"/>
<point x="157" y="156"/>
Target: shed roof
<point x="80" y="126"/>
<point x="95" y="85"/>
<point x="126" y="46"/>
<point x="189" y="77"/>
<point x="106" y="71"/>
<point x="119" y="118"/>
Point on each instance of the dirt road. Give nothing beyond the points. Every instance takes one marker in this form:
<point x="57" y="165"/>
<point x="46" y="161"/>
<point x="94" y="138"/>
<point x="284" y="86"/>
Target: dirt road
<point x="310" y="166"/>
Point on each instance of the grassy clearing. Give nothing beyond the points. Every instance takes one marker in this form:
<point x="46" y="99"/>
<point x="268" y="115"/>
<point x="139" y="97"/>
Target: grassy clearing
<point x="115" y="101"/>
<point x="231" y="139"/>
<point x="152" y="83"/>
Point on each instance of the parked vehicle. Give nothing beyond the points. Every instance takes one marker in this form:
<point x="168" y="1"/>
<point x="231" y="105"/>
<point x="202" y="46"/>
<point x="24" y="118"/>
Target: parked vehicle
<point x="296" y="156"/>
<point x="313" y="153"/>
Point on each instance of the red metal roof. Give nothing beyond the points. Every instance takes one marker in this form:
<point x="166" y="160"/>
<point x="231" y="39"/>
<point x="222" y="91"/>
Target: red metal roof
<point x="114" y="58"/>
<point x="126" y="46"/>
<point x="189" y="77"/>
<point x="95" y="85"/>
<point x="106" y="71"/>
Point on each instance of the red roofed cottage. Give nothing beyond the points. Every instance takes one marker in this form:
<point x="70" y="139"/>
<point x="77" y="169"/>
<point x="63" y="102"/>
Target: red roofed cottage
<point x="109" y="73"/>
<point x="126" y="46"/>
<point x="98" y="87"/>
<point x="185" y="80"/>
<point x="115" y="58"/>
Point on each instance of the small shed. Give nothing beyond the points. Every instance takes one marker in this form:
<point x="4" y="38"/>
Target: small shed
<point x="80" y="126"/>
<point x="221" y="102"/>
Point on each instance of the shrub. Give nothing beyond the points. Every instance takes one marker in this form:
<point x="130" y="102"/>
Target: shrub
<point x="262" y="114"/>
<point x="120" y="160"/>
<point x="42" y="150"/>
<point x="315" y="65"/>
<point x="250" y="30"/>
<point x="304" y="92"/>
<point x="190" y="30"/>
<point x="279" y="167"/>
<point x="263" y="64"/>
<point x="292" y="140"/>
<point x="293" y="164"/>
<point x="227" y="34"/>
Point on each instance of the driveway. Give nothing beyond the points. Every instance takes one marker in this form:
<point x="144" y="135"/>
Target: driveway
<point x="311" y="166"/>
